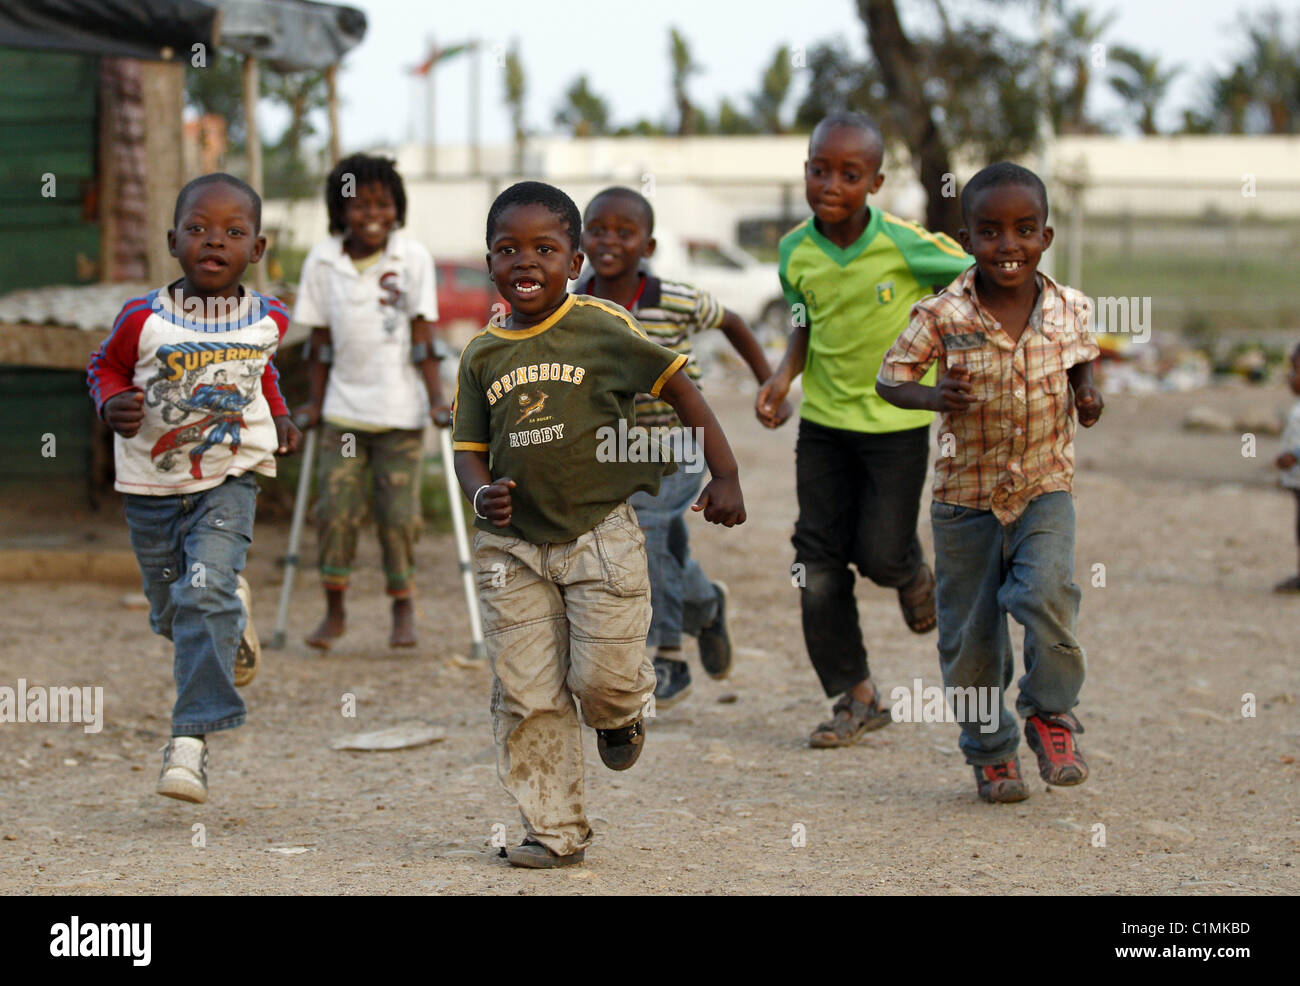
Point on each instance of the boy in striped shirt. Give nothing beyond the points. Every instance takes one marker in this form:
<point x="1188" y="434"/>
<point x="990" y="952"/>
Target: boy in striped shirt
<point x="618" y="233"/>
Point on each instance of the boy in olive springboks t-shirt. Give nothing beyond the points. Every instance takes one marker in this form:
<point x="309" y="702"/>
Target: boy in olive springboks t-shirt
<point x="561" y="561"/>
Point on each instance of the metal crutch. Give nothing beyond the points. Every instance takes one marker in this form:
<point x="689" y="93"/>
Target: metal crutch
<point x="295" y="534"/>
<point x="454" y="496"/>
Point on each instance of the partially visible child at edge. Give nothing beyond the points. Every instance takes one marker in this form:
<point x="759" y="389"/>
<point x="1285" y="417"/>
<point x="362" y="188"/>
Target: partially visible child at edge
<point x="187" y="383"/>
<point x="1289" y="460"/>
<point x="369" y="295"/>
<point x="1017" y="359"/>
<point x="618" y="233"/>
<point x="561" y="561"/>
<point x="851" y="274"/>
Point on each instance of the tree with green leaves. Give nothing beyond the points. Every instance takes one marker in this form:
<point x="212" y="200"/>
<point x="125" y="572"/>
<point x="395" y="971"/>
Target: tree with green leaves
<point x="287" y="172"/>
<point x="218" y="88"/>
<point x="583" y="113"/>
<point x="1141" y="82"/>
<point x="773" y="89"/>
<point x="903" y="72"/>
<point x="516" y="90"/>
<point x="734" y="122"/>
<point x="689" y="118"/>
<point x="1077" y="46"/>
<point x="837" y="81"/>
<point x="1271" y="70"/>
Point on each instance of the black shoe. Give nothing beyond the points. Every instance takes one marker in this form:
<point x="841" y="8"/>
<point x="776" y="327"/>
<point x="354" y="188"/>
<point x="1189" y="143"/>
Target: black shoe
<point x="535" y="856"/>
<point x="715" y="643"/>
<point x="619" y="748"/>
<point x="672" y="682"/>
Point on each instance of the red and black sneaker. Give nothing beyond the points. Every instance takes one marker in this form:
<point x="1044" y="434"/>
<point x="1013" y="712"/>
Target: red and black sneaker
<point x="1000" y="783"/>
<point x="1051" y="736"/>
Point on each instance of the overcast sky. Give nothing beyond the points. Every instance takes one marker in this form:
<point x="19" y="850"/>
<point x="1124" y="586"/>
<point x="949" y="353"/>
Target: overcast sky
<point x="623" y="49"/>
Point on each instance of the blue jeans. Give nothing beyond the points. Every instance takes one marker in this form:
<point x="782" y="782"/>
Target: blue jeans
<point x="681" y="597"/>
<point x="983" y="572"/>
<point x="190" y="549"/>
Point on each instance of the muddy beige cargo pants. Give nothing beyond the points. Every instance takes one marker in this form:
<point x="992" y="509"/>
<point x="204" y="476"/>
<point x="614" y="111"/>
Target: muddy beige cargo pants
<point x="562" y="621"/>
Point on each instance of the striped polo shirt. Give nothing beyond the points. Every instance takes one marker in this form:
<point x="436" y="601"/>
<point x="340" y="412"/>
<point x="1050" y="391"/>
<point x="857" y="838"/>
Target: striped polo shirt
<point x="670" y="312"/>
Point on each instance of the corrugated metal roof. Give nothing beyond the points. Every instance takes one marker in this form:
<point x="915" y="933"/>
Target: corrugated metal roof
<point x="89" y="307"/>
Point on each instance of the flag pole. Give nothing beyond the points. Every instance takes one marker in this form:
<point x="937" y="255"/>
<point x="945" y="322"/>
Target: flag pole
<point x="430" y="148"/>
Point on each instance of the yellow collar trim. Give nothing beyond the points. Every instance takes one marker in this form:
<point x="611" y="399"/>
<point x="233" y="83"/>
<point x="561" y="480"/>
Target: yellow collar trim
<point x="540" y="327"/>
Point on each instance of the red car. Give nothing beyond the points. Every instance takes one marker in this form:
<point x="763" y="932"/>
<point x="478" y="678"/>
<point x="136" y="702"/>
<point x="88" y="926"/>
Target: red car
<point x="466" y="293"/>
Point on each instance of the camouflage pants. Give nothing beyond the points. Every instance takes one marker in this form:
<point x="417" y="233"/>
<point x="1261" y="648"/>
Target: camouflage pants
<point x="393" y="460"/>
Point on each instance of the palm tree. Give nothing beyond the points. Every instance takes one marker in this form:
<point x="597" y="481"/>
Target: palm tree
<point x="772" y="92"/>
<point x="583" y="112"/>
<point x="733" y="121"/>
<point x="688" y="116"/>
<point x="1083" y="29"/>
<point x="1272" y="69"/>
<point x="1142" y="84"/>
<point x="515" y="92"/>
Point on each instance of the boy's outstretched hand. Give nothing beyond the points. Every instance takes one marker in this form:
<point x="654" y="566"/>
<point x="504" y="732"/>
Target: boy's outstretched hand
<point x="1087" y="399"/>
<point x="124" y="412"/>
<point x="722" y="502"/>
<point x="770" y="405"/>
<point x="494" y="502"/>
<point x="287" y="435"/>
<point x="954" y="392"/>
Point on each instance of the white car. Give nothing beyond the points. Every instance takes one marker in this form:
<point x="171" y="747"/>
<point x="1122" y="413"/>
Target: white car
<point x="747" y="286"/>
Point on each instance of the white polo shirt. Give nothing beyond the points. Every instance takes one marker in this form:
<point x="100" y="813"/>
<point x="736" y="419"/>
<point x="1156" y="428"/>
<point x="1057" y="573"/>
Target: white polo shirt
<point x="372" y="380"/>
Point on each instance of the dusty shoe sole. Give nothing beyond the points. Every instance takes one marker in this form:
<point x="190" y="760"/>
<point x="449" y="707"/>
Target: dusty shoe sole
<point x="534" y="856"/>
<point x="248" y="658"/>
<point x="180" y="784"/>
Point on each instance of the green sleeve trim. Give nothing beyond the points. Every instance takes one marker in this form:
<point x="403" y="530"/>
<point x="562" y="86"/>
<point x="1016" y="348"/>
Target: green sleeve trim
<point x="932" y="258"/>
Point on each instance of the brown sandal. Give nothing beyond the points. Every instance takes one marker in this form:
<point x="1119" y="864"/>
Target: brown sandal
<point x="917" y="601"/>
<point x="852" y="719"/>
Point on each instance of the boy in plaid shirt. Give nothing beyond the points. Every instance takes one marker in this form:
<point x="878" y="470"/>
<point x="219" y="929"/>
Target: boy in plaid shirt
<point x="1017" y="360"/>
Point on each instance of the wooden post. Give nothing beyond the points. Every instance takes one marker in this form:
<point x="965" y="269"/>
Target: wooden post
<point x="109" y="99"/>
<point x="331" y="81"/>
<point x="162" y="87"/>
<point x="253" y="140"/>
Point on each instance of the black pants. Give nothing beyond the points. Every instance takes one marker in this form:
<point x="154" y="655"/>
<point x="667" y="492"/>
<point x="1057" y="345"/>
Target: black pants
<point x="859" y="495"/>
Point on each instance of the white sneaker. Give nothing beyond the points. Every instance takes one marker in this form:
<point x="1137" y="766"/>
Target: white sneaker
<point x="185" y="770"/>
<point x="249" y="655"/>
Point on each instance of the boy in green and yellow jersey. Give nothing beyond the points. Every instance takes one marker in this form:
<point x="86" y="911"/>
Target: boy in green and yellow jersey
<point x="851" y="275"/>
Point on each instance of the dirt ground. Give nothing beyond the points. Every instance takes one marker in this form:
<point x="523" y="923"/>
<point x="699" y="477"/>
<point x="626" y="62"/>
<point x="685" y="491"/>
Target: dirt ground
<point x="1195" y="799"/>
